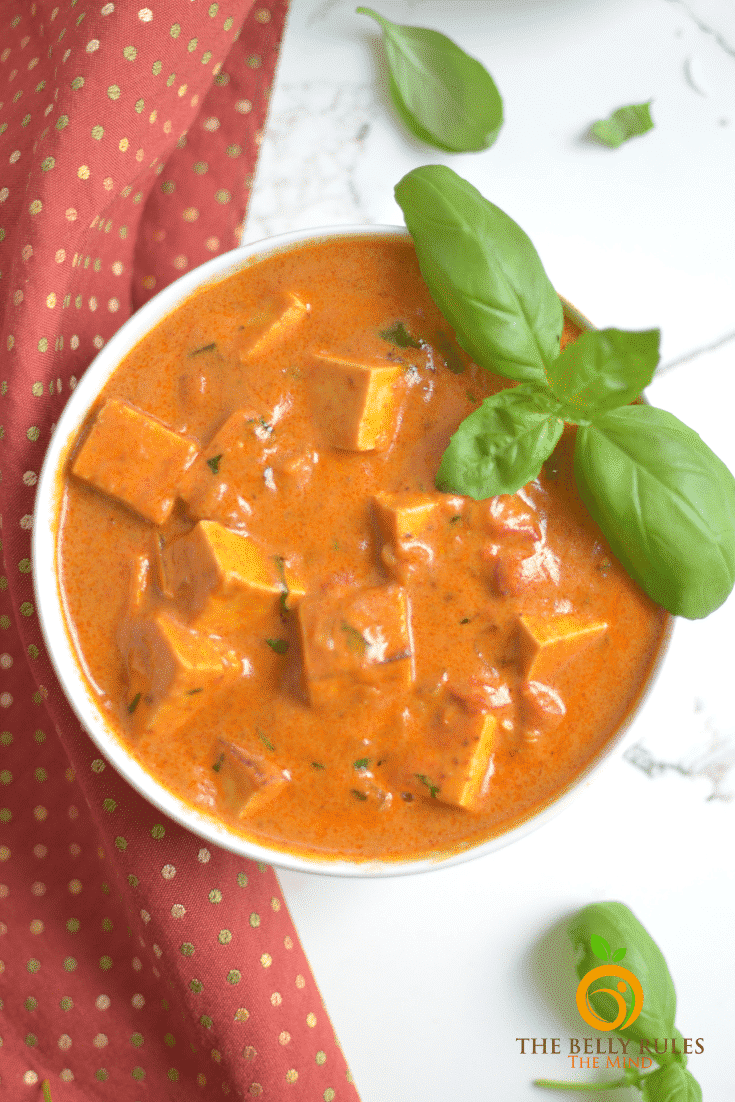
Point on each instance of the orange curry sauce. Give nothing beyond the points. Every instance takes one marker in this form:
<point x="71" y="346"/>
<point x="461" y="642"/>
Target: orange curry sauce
<point x="286" y="622"/>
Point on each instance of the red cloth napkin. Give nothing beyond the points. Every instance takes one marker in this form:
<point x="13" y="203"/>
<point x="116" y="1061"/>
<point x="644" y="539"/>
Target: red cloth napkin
<point x="136" y="961"/>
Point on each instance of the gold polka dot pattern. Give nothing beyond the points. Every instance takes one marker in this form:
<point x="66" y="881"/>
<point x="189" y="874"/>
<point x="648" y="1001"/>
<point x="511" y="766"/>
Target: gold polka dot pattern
<point x="132" y="958"/>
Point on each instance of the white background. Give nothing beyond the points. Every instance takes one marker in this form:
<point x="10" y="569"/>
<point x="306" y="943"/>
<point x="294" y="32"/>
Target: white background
<point x="430" y="979"/>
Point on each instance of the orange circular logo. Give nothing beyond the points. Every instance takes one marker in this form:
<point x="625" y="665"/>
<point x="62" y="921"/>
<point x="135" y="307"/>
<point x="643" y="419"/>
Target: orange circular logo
<point x="625" y="979"/>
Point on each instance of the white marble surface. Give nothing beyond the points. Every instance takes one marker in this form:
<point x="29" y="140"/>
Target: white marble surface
<point x="430" y="979"/>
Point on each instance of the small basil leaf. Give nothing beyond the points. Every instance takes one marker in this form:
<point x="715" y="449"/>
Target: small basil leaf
<point x="445" y="97"/>
<point x="483" y="273"/>
<point x="670" y="1084"/>
<point x="666" y="504"/>
<point x="619" y="926"/>
<point x="603" y="369"/>
<point x="625" y="123"/>
<point x="501" y="445"/>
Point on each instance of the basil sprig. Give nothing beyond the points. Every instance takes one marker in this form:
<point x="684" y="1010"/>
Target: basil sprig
<point x="663" y="499"/>
<point x="593" y="932"/>
<point x="445" y="97"/>
<point x="627" y="122"/>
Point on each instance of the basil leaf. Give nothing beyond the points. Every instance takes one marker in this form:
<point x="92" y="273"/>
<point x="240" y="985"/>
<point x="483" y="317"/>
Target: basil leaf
<point x="625" y="123"/>
<point x="445" y="97"/>
<point x="670" y="1084"/>
<point x="666" y="504"/>
<point x="620" y="928"/>
<point x="603" y="369"/>
<point x="501" y="445"/>
<point x="483" y="273"/>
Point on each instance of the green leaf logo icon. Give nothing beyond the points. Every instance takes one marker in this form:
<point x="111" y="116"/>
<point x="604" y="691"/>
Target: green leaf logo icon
<point x="600" y="947"/>
<point x="619" y="954"/>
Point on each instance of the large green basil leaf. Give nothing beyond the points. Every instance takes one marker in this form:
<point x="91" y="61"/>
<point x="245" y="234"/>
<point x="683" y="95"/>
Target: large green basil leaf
<point x="670" y="1084"/>
<point x="666" y="504"/>
<point x="444" y="96"/>
<point x="501" y="445"/>
<point x="483" y="273"/>
<point x="620" y="928"/>
<point x="625" y="123"/>
<point x="603" y="369"/>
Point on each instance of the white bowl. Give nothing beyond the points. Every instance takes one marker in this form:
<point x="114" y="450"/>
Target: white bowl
<point x="59" y="642"/>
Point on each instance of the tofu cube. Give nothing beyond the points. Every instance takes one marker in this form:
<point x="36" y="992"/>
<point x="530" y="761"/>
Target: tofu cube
<point x="455" y="763"/>
<point x="227" y="477"/>
<point x="271" y="323"/>
<point x="404" y="516"/>
<point x="173" y="671"/>
<point x="363" y="638"/>
<point x="135" y="459"/>
<point x="547" y="644"/>
<point x="355" y="404"/>
<point x="246" y="781"/>
<point x="212" y="566"/>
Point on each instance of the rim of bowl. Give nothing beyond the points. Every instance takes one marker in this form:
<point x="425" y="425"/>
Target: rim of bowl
<point x="58" y="632"/>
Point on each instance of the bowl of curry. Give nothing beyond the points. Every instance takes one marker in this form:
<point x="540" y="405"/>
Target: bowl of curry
<point x="267" y="617"/>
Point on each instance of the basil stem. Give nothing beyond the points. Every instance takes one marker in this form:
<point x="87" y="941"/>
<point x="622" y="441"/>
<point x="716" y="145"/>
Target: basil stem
<point x="665" y="502"/>
<point x="603" y="369"/>
<point x="501" y="445"/>
<point x="445" y="97"/>
<point x="625" y="123"/>
<point x="483" y="273"/>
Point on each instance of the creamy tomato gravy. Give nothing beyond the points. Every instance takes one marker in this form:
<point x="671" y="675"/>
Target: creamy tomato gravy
<point x="286" y="622"/>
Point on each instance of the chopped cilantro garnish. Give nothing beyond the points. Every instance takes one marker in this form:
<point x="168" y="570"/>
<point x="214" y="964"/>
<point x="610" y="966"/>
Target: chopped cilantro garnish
<point x="280" y="646"/>
<point x="134" y="703"/>
<point x="357" y="794"/>
<point x="455" y="518"/>
<point x="46" y="1088"/>
<point x="356" y="641"/>
<point x="218" y="764"/>
<point x="285" y="591"/>
<point x="205" y="348"/>
<point x="317" y="765"/>
<point x="213" y="463"/>
<point x="191" y="692"/>
<point x="361" y="763"/>
<point x="466" y="620"/>
<point x="433" y="789"/>
<point x="398" y="334"/>
<point x="264" y="739"/>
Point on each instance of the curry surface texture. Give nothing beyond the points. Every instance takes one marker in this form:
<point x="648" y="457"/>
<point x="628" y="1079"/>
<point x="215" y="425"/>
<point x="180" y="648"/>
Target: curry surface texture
<point x="286" y="622"/>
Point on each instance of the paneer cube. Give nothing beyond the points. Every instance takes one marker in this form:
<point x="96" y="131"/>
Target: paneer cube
<point x="455" y="762"/>
<point x="246" y="781"/>
<point x="270" y="324"/>
<point x="228" y="475"/>
<point x="547" y="644"/>
<point x="135" y="458"/>
<point x="212" y="566"/>
<point x="404" y="516"/>
<point x="355" y="404"/>
<point x="363" y="638"/>
<point x="172" y="671"/>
